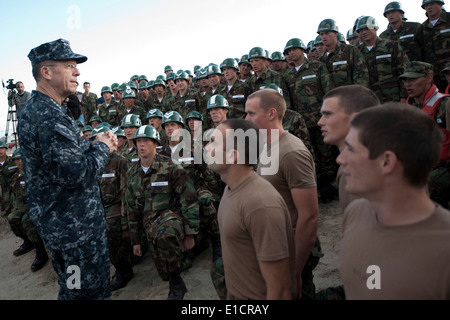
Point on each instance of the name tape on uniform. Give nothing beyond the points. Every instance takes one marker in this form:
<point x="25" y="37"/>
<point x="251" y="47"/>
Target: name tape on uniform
<point x="160" y="183"/>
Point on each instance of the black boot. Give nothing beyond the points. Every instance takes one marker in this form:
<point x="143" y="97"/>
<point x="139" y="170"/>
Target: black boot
<point x="26" y="247"/>
<point x="201" y="242"/>
<point x="41" y="257"/>
<point x="216" y="247"/>
<point x="177" y="287"/>
<point x="124" y="273"/>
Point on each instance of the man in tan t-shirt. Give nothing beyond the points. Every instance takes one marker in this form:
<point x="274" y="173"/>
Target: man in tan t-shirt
<point x="255" y="228"/>
<point x="339" y="107"/>
<point x="396" y="241"/>
<point x="295" y="180"/>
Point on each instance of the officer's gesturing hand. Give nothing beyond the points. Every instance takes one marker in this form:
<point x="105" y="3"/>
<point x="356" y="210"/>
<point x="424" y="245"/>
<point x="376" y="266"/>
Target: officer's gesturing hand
<point x="108" y="138"/>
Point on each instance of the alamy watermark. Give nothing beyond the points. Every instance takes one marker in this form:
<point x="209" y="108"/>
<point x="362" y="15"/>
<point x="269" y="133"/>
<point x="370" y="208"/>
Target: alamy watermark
<point x="74" y="19"/>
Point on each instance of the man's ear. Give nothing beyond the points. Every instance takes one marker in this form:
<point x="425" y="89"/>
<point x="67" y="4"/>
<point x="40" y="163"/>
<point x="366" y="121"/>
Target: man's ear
<point x="389" y="162"/>
<point x="46" y="72"/>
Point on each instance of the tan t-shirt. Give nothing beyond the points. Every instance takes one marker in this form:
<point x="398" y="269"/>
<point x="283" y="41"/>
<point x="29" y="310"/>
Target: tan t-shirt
<point x="295" y="170"/>
<point x="254" y="226"/>
<point x="408" y="262"/>
<point x="345" y="197"/>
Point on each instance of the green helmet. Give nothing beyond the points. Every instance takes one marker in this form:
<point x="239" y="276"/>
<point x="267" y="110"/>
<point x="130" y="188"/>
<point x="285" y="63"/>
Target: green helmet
<point x="213" y="69"/>
<point x="106" y="89"/>
<point x="122" y="87"/>
<point x="115" y="86"/>
<point x="167" y="68"/>
<point x="351" y="34"/>
<point x="151" y="83"/>
<point x="194" y="114"/>
<point x="172" y="116"/>
<point x="327" y="25"/>
<point x="16" y="154"/>
<point x="275" y="87"/>
<point x="196" y="68"/>
<point x="202" y="74"/>
<point x="128" y="93"/>
<point x="86" y="128"/>
<point x="153" y="113"/>
<point x="170" y="75"/>
<point x="182" y="75"/>
<point x="318" y="40"/>
<point x="393" y="6"/>
<point x="367" y="22"/>
<point x="99" y="129"/>
<point x="424" y="2"/>
<point x="229" y="63"/>
<point x="95" y="118"/>
<point x="340" y="37"/>
<point x="162" y="77"/>
<point x="118" y="131"/>
<point x="105" y="124"/>
<point x="257" y="52"/>
<point x="143" y="85"/>
<point x="189" y="73"/>
<point x="142" y="78"/>
<point x="132" y="85"/>
<point x="179" y="71"/>
<point x="277" y="56"/>
<point x="131" y="120"/>
<point x="3" y="144"/>
<point x="356" y="22"/>
<point x="267" y="54"/>
<point x="135" y="77"/>
<point x="78" y="122"/>
<point x="311" y="46"/>
<point x="217" y="101"/>
<point x="244" y="59"/>
<point x="294" y="43"/>
<point x="147" y="131"/>
<point x="159" y="83"/>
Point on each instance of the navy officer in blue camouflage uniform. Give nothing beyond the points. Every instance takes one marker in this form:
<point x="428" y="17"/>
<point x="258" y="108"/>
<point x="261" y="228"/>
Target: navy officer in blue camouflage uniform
<point x="62" y="171"/>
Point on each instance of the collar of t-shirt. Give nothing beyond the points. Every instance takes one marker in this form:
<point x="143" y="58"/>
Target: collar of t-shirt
<point x="298" y="68"/>
<point x="433" y="22"/>
<point x="369" y="47"/>
<point x="145" y="168"/>
<point x="229" y="87"/>
<point x="1" y="163"/>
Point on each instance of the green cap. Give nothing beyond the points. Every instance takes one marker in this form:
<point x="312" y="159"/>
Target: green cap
<point x="147" y="131"/>
<point x="86" y="128"/>
<point x="99" y="129"/>
<point x="3" y="144"/>
<point x="416" y="69"/>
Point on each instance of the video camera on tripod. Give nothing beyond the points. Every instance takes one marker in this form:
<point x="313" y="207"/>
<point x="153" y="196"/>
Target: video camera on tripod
<point x="11" y="85"/>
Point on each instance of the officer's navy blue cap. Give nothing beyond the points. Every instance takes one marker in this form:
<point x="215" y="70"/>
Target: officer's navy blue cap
<point x="54" y="50"/>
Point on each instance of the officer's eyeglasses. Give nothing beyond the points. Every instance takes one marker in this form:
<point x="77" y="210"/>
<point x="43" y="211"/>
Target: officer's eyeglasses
<point x="70" y="66"/>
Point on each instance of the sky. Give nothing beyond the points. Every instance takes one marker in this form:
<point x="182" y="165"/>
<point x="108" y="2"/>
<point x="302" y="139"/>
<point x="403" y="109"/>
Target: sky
<point x="125" y="38"/>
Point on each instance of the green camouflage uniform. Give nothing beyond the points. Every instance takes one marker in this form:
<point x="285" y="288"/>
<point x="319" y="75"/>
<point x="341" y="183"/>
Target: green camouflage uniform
<point x="410" y="36"/>
<point x="191" y="101"/>
<point x="164" y="203"/>
<point x="294" y="123"/>
<point x="130" y="153"/>
<point x="147" y="104"/>
<point x="18" y="219"/>
<point x="236" y="97"/>
<point x="161" y="105"/>
<point x="134" y="110"/>
<point x="385" y="63"/>
<point x="267" y="77"/>
<point x="346" y="65"/>
<point x="111" y="113"/>
<point x="307" y="86"/>
<point x="112" y="185"/>
<point x="7" y="170"/>
<point x="89" y="105"/>
<point x="437" y="46"/>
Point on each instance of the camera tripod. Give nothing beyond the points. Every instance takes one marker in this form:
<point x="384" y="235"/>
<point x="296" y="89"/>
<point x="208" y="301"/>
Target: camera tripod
<point x="12" y="118"/>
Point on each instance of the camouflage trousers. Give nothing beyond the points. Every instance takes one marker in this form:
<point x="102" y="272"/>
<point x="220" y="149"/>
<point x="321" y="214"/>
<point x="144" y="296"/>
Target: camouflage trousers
<point x="218" y="278"/>
<point x="22" y="226"/>
<point x="439" y="185"/>
<point x="165" y="235"/>
<point x="91" y="263"/>
<point x="325" y="160"/>
<point x="120" y="249"/>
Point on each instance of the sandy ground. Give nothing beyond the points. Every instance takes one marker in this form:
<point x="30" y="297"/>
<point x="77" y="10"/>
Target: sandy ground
<point x="17" y="282"/>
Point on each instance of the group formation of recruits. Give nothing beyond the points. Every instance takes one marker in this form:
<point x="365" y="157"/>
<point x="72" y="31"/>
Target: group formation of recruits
<point x="156" y="199"/>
